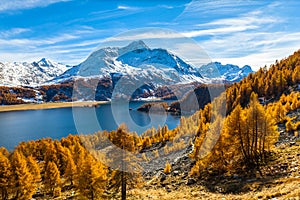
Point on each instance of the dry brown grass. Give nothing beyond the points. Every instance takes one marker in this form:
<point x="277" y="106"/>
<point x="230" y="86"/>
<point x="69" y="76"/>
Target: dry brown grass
<point x="286" y="188"/>
<point x="279" y="185"/>
<point x="49" y="105"/>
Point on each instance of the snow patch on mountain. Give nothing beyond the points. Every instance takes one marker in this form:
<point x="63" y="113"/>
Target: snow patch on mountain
<point x="30" y="74"/>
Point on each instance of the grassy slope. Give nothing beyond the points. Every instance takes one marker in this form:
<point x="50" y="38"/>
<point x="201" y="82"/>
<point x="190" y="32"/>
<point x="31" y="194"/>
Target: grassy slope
<point x="281" y="180"/>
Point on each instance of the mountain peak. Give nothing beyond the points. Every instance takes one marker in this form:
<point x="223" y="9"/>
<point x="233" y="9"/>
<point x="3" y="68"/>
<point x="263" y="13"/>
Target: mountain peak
<point x="137" y="44"/>
<point x="247" y="68"/>
<point x="44" y="62"/>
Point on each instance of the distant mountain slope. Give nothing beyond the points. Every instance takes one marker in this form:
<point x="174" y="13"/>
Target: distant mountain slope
<point x="30" y="74"/>
<point x="228" y="72"/>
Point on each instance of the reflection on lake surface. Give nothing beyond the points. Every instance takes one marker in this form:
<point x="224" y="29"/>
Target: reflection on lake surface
<point x="28" y="125"/>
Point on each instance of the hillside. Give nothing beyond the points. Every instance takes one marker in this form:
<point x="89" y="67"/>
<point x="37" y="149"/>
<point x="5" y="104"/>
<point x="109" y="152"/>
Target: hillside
<point x="252" y="151"/>
<point x="279" y="178"/>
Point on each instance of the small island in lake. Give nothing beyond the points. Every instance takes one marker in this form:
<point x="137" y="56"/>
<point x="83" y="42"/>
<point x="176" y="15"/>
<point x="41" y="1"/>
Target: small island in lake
<point x="154" y="106"/>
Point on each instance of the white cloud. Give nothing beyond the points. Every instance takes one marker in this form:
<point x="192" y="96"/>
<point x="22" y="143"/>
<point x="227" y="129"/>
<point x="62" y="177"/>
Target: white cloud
<point x="61" y="57"/>
<point x="163" y="23"/>
<point x="34" y="49"/>
<point x="253" y="20"/>
<point x="79" y="44"/>
<point x="13" y="32"/>
<point x="197" y="8"/>
<point x="255" y="48"/>
<point x="119" y="12"/>
<point x="215" y="31"/>
<point x="123" y="7"/>
<point x="36" y="42"/>
<point x="158" y="33"/>
<point x="166" y="6"/>
<point x="25" y="4"/>
<point x="243" y="20"/>
<point x="255" y="36"/>
<point x="64" y="47"/>
<point x="260" y="59"/>
<point x="141" y="34"/>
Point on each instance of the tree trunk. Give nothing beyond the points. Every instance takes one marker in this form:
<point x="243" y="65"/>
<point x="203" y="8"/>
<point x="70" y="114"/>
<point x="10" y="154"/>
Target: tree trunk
<point x="123" y="176"/>
<point x="123" y="186"/>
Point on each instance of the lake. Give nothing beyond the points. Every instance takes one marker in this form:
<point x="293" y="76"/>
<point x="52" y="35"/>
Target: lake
<point x="18" y="126"/>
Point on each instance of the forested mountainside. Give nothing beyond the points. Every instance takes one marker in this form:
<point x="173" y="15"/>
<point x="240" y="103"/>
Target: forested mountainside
<point x="16" y="95"/>
<point x="102" y="90"/>
<point x="206" y="149"/>
<point x="268" y="83"/>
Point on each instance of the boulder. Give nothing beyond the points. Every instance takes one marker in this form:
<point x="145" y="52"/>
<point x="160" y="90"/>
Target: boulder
<point x="190" y="181"/>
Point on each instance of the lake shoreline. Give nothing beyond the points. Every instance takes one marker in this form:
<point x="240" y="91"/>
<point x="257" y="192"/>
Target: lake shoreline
<point x="51" y="105"/>
<point x="54" y="105"/>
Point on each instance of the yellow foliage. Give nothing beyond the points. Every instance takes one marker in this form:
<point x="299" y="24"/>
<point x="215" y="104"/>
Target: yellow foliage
<point x="155" y="153"/>
<point x="52" y="177"/>
<point x="144" y="157"/>
<point x="57" y="192"/>
<point x="247" y="134"/>
<point x="167" y="169"/>
<point x="22" y="179"/>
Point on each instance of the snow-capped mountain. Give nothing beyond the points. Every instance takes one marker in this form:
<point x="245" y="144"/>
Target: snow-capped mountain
<point x="134" y="71"/>
<point x="30" y="74"/>
<point x="228" y="72"/>
<point x="135" y="62"/>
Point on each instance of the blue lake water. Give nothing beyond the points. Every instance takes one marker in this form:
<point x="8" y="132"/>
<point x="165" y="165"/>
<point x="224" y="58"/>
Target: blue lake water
<point x="17" y="126"/>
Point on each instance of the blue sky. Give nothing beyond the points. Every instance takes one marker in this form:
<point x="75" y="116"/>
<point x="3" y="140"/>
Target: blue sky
<point x="250" y="32"/>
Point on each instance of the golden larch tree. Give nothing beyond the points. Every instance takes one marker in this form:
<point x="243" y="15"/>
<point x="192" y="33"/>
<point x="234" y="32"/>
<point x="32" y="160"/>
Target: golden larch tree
<point x="34" y="170"/>
<point x="5" y="176"/>
<point x="92" y="179"/>
<point x="71" y="169"/>
<point x="51" y="177"/>
<point x="22" y="180"/>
